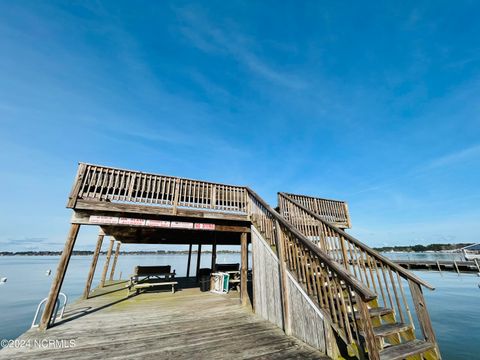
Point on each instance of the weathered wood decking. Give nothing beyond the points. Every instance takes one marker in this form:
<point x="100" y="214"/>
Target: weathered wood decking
<point x="186" y="325"/>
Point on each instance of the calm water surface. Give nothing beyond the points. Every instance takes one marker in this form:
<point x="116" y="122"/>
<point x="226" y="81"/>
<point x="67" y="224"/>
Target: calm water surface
<point x="454" y="306"/>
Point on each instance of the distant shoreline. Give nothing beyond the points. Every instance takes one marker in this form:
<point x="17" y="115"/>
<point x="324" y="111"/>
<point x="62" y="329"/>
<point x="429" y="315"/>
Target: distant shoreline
<point x="86" y="253"/>
<point x="423" y="248"/>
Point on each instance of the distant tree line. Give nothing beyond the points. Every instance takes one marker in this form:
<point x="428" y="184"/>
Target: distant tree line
<point x="423" y="248"/>
<point x="88" y="252"/>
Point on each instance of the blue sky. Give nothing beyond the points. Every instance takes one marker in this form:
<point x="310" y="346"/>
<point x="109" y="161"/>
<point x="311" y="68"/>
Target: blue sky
<point x="376" y="104"/>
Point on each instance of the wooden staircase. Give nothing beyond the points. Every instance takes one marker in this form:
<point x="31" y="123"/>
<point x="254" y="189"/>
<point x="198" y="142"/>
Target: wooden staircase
<point x="389" y="325"/>
<point x="365" y="297"/>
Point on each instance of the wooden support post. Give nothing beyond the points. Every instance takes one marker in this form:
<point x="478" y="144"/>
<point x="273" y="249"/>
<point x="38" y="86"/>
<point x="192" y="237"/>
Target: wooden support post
<point x="214" y="254"/>
<point x="107" y="263"/>
<point x="346" y="262"/>
<point x="115" y="259"/>
<point x="476" y="263"/>
<point x="189" y="259"/>
<point x="244" y="269"/>
<point x="199" y="255"/>
<point x="422" y="314"/>
<point x="176" y="195"/>
<point x="439" y="267"/>
<point x="59" y="276"/>
<point x="93" y="266"/>
<point x="369" y="336"/>
<point x="213" y="199"/>
<point x="456" y="266"/>
<point x="283" y="279"/>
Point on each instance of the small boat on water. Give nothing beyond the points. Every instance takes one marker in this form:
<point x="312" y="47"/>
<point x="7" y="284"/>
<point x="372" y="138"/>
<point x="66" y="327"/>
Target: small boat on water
<point x="3" y="280"/>
<point x="471" y="252"/>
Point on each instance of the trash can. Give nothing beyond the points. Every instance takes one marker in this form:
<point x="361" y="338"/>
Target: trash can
<point x="204" y="279"/>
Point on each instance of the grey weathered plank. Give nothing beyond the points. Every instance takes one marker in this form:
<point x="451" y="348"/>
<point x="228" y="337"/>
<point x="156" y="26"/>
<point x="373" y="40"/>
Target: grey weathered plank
<point x="185" y="325"/>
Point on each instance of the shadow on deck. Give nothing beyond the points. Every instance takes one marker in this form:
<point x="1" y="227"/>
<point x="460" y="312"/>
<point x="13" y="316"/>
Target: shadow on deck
<point x="158" y="324"/>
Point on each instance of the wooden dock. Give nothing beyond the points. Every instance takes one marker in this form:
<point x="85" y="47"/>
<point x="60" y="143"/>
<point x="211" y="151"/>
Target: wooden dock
<point x="312" y="283"/>
<point x="441" y="265"/>
<point x="186" y="325"/>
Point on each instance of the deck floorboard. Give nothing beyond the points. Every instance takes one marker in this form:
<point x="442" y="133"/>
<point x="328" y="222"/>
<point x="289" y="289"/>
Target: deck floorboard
<point x="186" y="325"/>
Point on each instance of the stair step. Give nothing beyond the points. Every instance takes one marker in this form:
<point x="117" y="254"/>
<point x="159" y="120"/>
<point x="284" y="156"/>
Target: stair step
<point x="378" y="311"/>
<point x="401" y="351"/>
<point x="390" y="329"/>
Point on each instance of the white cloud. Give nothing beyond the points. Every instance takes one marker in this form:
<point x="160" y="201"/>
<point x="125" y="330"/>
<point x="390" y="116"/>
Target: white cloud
<point x="455" y="157"/>
<point x="211" y="39"/>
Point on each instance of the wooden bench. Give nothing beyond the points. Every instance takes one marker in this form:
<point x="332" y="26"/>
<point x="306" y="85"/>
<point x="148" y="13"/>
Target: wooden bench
<point x="145" y="277"/>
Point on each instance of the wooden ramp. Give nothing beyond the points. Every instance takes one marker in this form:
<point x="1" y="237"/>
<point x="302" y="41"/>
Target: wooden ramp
<point x="186" y="325"/>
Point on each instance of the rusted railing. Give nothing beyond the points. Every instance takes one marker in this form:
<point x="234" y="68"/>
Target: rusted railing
<point x="102" y="183"/>
<point x="377" y="272"/>
<point x="324" y="280"/>
<point x="333" y="211"/>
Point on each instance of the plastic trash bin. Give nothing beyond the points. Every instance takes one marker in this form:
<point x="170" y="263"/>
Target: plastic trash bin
<point x="204" y="279"/>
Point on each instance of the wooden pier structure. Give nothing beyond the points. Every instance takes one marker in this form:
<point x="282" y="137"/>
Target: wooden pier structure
<point x="458" y="266"/>
<point x="316" y="291"/>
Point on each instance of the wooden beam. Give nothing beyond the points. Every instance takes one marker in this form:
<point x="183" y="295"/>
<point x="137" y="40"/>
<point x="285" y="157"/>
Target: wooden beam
<point x="115" y="259"/>
<point x="366" y="320"/>
<point x="224" y="225"/>
<point x="72" y="199"/>
<point x="93" y="266"/>
<point x="243" y="271"/>
<point x="96" y="205"/>
<point x="476" y="263"/>
<point x="176" y="195"/>
<point x="59" y="277"/>
<point x="199" y="255"/>
<point x="422" y="312"/>
<point x="456" y="266"/>
<point x="279" y="243"/>
<point x="107" y="263"/>
<point x="214" y="254"/>
<point x="189" y="259"/>
<point x="422" y="315"/>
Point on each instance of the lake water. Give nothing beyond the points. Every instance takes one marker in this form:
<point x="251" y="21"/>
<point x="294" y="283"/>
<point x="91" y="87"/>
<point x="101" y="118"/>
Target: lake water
<point x="454" y="306"/>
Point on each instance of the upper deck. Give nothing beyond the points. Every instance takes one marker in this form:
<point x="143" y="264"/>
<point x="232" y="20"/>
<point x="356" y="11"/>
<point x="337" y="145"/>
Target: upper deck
<point x="106" y="188"/>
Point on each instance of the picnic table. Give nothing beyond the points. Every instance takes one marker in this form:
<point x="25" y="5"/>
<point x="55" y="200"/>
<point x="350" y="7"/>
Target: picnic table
<point x="146" y="277"/>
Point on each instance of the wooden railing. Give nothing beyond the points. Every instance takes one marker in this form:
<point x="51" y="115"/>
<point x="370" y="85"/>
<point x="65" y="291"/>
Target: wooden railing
<point x="333" y="211"/>
<point x="340" y="274"/>
<point x="102" y="183"/>
<point x="327" y="283"/>
<point x="378" y="273"/>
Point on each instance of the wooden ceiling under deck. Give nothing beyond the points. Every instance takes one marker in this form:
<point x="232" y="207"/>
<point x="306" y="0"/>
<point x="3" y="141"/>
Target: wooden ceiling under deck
<point x="139" y="235"/>
<point x="133" y="228"/>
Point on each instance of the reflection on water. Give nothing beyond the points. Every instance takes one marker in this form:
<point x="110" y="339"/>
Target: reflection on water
<point x="454" y="306"/>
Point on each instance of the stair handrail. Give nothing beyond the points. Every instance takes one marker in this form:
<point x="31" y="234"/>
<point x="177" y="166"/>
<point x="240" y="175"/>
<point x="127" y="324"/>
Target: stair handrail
<point x="407" y="274"/>
<point x="323" y="205"/>
<point x="328" y="284"/>
<point x="379" y="273"/>
<point x="365" y="293"/>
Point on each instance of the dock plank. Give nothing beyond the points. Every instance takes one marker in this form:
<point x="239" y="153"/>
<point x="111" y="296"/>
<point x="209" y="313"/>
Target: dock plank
<point x="184" y="325"/>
